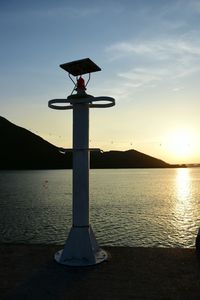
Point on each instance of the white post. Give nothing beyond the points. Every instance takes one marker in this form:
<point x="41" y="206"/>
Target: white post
<point x="81" y="162"/>
<point x="81" y="248"/>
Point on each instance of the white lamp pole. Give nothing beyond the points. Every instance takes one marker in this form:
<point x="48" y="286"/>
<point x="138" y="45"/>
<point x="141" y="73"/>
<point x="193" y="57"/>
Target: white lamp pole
<point x="81" y="161"/>
<point x="81" y="248"/>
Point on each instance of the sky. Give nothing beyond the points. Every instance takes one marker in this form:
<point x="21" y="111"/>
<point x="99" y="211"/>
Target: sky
<point x="149" y="53"/>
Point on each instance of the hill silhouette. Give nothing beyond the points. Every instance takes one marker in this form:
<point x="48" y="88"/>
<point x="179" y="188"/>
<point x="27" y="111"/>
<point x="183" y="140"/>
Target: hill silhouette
<point x="125" y="159"/>
<point x="22" y="149"/>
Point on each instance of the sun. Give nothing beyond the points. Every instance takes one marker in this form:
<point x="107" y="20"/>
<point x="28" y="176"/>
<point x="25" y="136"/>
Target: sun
<point x="180" y="144"/>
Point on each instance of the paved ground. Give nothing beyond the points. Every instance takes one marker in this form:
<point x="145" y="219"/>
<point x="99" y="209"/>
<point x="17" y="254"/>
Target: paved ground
<point x="29" y="272"/>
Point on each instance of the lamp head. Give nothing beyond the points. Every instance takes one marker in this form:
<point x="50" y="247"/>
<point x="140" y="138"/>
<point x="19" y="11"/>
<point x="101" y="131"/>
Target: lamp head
<point x="78" y="68"/>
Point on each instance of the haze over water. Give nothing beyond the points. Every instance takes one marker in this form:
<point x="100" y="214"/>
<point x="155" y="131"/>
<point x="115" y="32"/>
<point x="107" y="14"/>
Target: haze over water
<point x="128" y="207"/>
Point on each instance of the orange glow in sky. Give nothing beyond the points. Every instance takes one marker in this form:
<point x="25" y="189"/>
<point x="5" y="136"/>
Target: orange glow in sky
<point x="181" y="145"/>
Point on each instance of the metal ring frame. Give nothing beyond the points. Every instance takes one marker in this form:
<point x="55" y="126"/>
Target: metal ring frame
<point x="111" y="102"/>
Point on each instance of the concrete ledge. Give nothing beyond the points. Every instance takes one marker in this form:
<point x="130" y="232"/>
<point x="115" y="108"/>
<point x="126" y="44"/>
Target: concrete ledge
<point x="29" y="272"/>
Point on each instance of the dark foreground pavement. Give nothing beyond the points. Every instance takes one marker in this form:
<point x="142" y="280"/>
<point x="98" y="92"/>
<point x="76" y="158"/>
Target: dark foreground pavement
<point x="29" y="272"/>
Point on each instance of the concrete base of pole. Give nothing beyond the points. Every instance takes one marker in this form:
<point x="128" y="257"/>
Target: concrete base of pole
<point x="81" y="249"/>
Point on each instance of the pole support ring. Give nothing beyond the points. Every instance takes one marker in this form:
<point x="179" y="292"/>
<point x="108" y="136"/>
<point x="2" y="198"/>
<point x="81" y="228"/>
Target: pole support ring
<point x="107" y="102"/>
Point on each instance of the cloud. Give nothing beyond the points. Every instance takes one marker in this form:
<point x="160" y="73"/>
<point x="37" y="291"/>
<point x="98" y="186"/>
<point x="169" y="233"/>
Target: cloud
<point x="61" y="10"/>
<point x="160" y="49"/>
<point x="157" y="60"/>
<point x="194" y="5"/>
<point x="71" y="12"/>
<point x="142" y="76"/>
<point x="152" y="77"/>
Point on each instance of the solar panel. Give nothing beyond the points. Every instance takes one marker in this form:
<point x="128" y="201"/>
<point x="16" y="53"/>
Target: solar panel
<point x="80" y="67"/>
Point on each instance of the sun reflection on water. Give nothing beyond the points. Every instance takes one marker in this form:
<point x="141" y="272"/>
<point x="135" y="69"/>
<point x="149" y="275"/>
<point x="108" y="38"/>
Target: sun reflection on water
<point x="183" y="184"/>
<point x="183" y="221"/>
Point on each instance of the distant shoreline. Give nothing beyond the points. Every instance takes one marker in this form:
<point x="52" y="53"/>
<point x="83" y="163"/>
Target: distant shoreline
<point x="54" y="169"/>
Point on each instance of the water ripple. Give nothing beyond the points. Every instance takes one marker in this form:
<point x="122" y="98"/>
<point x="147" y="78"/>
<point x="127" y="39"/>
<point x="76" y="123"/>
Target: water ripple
<point x="148" y="208"/>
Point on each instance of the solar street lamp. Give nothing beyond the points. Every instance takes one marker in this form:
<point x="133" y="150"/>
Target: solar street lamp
<point x="81" y="247"/>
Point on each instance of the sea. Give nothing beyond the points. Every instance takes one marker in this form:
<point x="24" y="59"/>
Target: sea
<point x="128" y="207"/>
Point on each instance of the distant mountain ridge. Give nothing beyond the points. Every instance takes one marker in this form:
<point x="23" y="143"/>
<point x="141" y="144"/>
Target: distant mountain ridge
<point x="125" y="159"/>
<point x="22" y="149"/>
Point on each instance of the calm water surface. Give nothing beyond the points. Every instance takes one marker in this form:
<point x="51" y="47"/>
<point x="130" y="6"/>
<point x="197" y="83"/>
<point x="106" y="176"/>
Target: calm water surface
<point x="136" y="207"/>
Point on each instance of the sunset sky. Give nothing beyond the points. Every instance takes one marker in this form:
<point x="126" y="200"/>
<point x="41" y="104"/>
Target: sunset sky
<point x="149" y="52"/>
